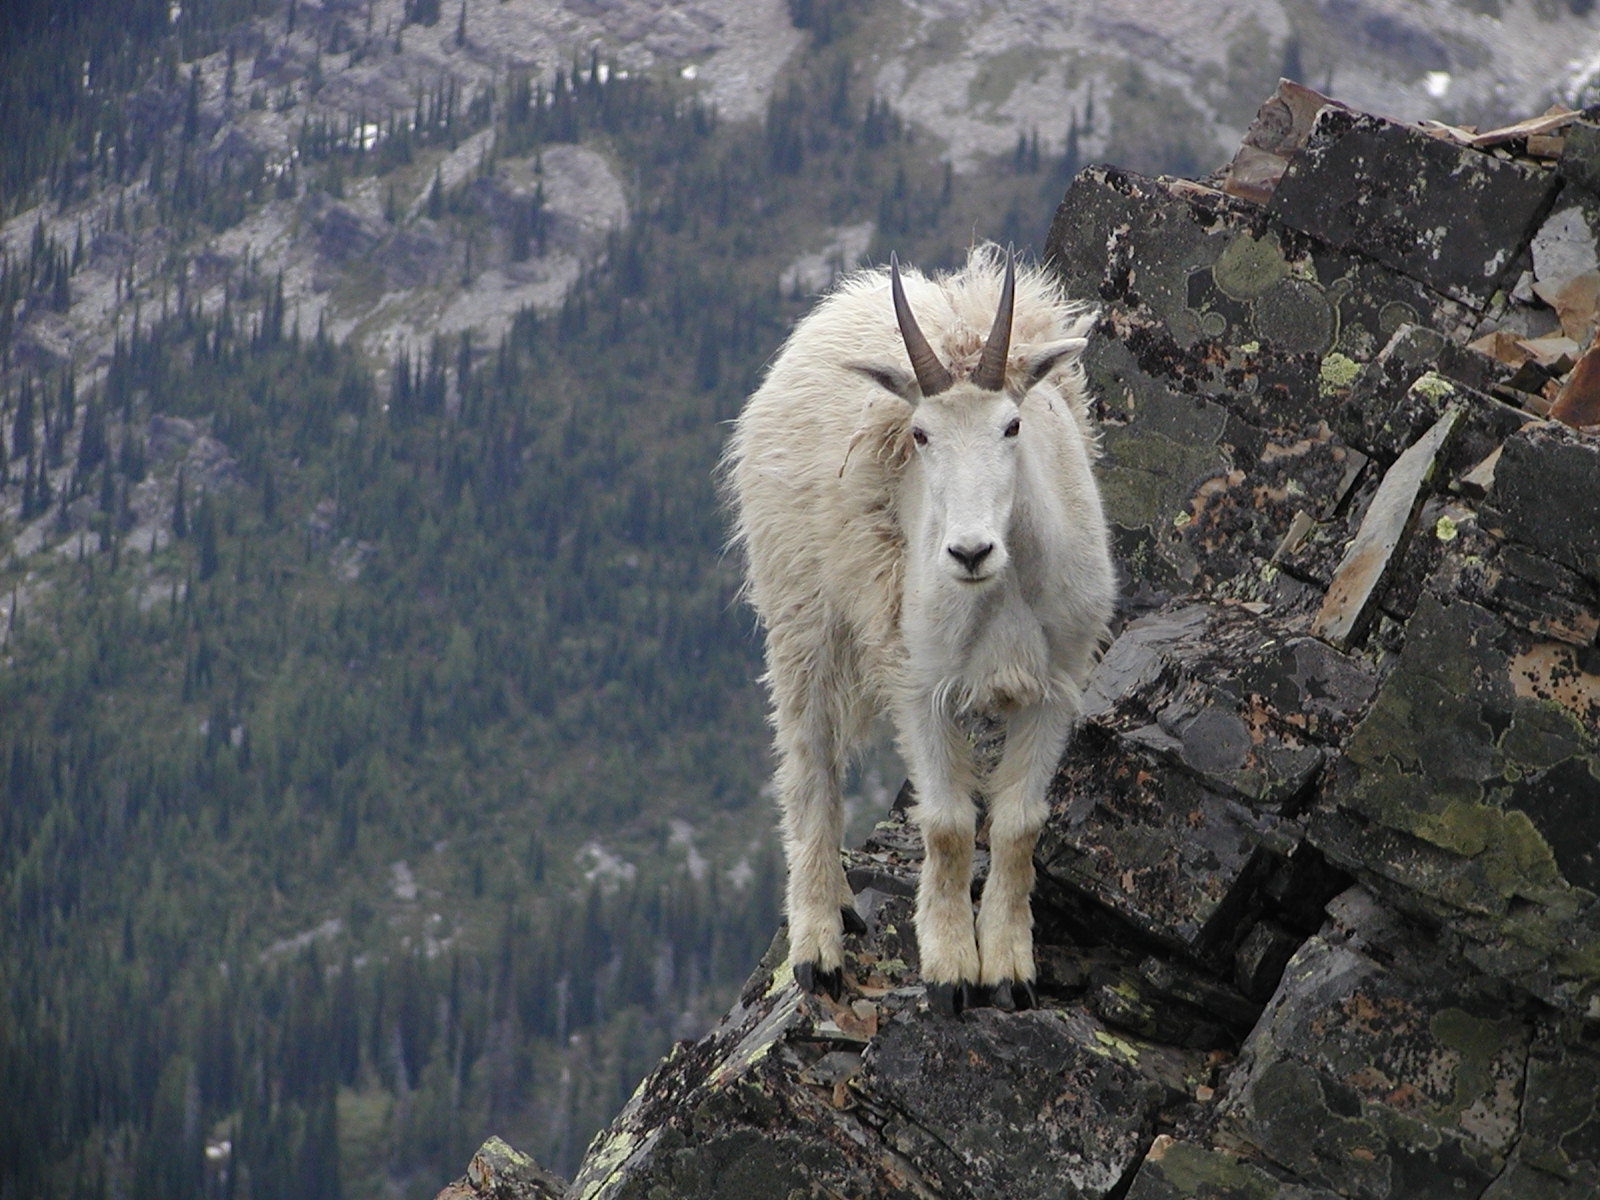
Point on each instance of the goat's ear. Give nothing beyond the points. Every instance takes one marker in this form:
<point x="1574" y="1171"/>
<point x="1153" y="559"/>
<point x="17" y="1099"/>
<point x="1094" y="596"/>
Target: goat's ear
<point x="892" y="379"/>
<point x="1047" y="358"/>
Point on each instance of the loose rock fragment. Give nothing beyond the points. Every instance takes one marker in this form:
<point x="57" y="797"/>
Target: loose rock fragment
<point x="1280" y="128"/>
<point x="1349" y="605"/>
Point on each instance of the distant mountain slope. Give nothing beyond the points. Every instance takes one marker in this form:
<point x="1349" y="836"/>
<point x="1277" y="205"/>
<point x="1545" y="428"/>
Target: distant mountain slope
<point x="1164" y="86"/>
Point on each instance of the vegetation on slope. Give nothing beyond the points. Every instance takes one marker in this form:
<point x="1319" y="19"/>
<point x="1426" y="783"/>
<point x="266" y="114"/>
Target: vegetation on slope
<point x="326" y="674"/>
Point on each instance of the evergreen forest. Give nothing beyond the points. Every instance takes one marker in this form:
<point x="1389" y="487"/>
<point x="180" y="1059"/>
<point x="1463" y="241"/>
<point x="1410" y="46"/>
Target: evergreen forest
<point x="381" y="753"/>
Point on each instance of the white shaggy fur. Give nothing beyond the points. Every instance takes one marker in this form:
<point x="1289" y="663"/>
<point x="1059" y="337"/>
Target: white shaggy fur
<point x="920" y="556"/>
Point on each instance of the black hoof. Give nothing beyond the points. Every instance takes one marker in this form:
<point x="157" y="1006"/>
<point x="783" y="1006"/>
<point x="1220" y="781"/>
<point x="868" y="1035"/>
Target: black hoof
<point x="818" y="982"/>
<point x="1013" y="996"/>
<point x="852" y="920"/>
<point x="951" y="999"/>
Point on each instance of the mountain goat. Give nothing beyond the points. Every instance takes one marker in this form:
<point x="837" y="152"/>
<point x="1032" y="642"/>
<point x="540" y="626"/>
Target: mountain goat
<point x="925" y="542"/>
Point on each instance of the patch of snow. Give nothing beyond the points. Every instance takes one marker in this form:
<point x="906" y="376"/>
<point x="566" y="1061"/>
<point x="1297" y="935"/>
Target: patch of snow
<point x="602" y="866"/>
<point x="402" y="882"/>
<point x="683" y="835"/>
<point x="326" y="931"/>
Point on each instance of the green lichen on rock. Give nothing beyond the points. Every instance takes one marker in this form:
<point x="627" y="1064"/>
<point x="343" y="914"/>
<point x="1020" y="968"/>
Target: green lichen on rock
<point x="606" y="1156"/>
<point x="1337" y="371"/>
<point x="1248" y="266"/>
<point x="1480" y="1042"/>
<point x="1434" y="386"/>
<point x="1175" y="1170"/>
<point x="1112" y="1044"/>
<point x="1145" y="481"/>
<point x="1516" y="859"/>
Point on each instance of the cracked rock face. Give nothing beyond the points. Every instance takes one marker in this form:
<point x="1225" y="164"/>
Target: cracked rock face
<point x="1316" y="913"/>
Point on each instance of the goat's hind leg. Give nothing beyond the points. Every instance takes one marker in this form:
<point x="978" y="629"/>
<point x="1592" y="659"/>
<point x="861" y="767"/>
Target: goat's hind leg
<point x="809" y="766"/>
<point x="1035" y="738"/>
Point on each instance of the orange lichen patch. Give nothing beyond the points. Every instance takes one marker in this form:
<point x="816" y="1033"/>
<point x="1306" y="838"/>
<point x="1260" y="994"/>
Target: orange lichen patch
<point x="1211" y="489"/>
<point x="1368" y="1017"/>
<point x="1550" y="671"/>
<point x="1404" y="1096"/>
<point x="1370" y="1080"/>
<point x="1274" y="449"/>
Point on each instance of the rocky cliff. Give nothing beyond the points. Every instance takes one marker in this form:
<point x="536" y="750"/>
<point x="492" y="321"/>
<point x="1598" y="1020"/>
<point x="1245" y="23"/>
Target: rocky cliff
<point x="1317" y="900"/>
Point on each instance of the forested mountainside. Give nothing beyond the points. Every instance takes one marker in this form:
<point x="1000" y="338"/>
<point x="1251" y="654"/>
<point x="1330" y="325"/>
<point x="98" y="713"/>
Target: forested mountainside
<point x="381" y="756"/>
<point x="382" y="753"/>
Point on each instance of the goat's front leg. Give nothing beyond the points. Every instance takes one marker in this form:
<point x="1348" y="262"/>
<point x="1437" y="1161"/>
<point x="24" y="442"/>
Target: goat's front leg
<point x="1036" y="735"/>
<point x="940" y="761"/>
<point x="819" y="903"/>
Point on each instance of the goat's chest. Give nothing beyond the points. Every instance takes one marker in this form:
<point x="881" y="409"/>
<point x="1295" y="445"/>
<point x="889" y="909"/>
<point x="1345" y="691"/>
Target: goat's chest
<point x="991" y="656"/>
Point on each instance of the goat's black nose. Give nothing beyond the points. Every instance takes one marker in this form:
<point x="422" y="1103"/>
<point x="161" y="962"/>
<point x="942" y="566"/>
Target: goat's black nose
<point x="971" y="557"/>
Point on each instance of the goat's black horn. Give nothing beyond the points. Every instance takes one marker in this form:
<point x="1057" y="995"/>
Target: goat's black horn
<point x="933" y="376"/>
<point x="990" y="373"/>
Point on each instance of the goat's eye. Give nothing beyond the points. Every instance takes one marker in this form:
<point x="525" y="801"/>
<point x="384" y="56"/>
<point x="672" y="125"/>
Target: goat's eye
<point x="1015" y="426"/>
<point x="918" y="436"/>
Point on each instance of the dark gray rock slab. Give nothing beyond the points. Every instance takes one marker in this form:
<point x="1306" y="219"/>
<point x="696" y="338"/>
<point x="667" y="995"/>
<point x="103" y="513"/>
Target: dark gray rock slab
<point x="1470" y="790"/>
<point x="1177" y="1170"/>
<point x="1240" y="702"/>
<point x="1027" y="1104"/>
<point x="1546" y="494"/>
<point x="1453" y="219"/>
<point x="1537" y="595"/>
<point x="879" y="1097"/>
<point x="1176" y="860"/>
<point x="1418" y="376"/>
<point x="1580" y="156"/>
<point x="1231" y="350"/>
<point x="1372" y="1084"/>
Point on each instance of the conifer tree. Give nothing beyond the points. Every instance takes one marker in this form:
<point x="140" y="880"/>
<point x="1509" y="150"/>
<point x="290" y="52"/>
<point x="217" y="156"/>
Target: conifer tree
<point x="180" y="515"/>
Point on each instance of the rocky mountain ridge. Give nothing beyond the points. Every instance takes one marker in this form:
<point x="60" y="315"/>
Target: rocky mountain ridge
<point x="1317" y="902"/>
